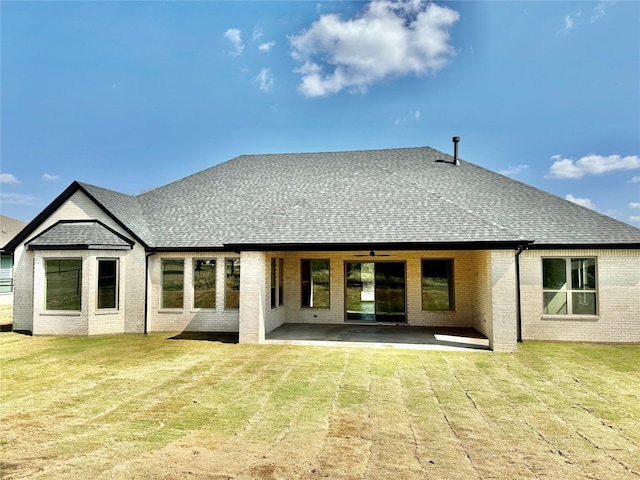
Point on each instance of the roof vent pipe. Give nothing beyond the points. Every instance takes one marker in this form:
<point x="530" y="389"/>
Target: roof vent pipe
<point x="455" y="150"/>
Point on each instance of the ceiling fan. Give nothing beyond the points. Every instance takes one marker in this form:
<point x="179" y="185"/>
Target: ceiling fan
<point x="372" y="253"/>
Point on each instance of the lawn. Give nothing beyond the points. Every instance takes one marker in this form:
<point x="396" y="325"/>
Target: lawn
<point x="130" y="407"/>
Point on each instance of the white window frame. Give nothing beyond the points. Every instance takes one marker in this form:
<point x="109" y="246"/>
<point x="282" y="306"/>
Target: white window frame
<point x="569" y="290"/>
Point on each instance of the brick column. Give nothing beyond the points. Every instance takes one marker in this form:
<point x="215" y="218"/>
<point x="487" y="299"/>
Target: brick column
<point x="253" y="287"/>
<point x="503" y="301"/>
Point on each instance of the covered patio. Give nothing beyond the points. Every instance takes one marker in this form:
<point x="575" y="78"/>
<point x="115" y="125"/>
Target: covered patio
<point x="377" y="335"/>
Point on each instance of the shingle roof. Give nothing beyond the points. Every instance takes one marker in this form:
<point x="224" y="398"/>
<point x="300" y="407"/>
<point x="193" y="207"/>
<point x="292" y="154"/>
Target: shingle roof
<point x="361" y="197"/>
<point x="81" y="235"/>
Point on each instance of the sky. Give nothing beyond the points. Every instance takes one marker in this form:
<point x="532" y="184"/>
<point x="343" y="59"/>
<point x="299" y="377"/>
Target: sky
<point x="133" y="95"/>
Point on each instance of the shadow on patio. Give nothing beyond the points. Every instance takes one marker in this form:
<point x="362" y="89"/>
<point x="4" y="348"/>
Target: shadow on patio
<point x="398" y="336"/>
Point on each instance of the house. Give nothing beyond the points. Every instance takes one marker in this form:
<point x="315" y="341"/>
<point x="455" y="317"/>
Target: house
<point x="9" y="228"/>
<point x="410" y="236"/>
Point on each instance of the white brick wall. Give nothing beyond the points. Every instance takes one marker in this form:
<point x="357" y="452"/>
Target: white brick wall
<point x="618" y="296"/>
<point x="29" y="312"/>
<point x="188" y="318"/>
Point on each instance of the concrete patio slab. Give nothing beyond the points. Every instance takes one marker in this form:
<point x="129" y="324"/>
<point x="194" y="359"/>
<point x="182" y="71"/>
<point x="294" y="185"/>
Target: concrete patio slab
<point x="379" y="336"/>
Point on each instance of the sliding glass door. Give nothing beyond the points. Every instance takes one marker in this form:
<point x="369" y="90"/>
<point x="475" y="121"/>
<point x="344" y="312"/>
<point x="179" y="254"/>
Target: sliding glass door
<point x="375" y="291"/>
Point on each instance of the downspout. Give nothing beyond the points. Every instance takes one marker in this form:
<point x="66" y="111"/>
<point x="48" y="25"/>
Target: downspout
<point x="146" y="291"/>
<point x="521" y="248"/>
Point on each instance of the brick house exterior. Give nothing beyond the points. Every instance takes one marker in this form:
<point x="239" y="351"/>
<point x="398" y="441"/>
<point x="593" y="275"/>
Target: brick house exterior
<point x="372" y="236"/>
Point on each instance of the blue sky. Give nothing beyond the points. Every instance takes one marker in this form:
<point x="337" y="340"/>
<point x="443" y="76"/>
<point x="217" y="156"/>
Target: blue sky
<point x="134" y="95"/>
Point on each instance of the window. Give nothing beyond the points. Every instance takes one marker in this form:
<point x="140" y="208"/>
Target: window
<point x="280" y="281"/>
<point x="274" y="287"/>
<point x="6" y="272"/>
<point x="315" y="283"/>
<point x="437" y="285"/>
<point x="232" y="283"/>
<point x="108" y="283"/>
<point x="63" y="286"/>
<point x="172" y="283"/>
<point x="569" y="286"/>
<point x="277" y="279"/>
<point x="204" y="283"/>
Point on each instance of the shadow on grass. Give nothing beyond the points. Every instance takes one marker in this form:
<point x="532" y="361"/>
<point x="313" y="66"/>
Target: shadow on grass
<point x="222" y="337"/>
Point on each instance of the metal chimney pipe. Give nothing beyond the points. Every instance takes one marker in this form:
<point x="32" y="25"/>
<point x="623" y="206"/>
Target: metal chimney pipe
<point x="455" y="150"/>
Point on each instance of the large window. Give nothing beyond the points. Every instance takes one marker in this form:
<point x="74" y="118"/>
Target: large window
<point x="232" y="283"/>
<point x="108" y="283"/>
<point x="63" y="289"/>
<point x="569" y="286"/>
<point x="315" y="283"/>
<point x="437" y="285"/>
<point x="204" y="283"/>
<point x="172" y="283"/>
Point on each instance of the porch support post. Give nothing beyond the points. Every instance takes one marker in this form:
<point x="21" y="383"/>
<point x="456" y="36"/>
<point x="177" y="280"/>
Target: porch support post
<point x="504" y="303"/>
<point x="253" y="287"/>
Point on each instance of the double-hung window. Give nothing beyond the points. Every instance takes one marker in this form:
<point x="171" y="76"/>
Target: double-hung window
<point x="569" y="286"/>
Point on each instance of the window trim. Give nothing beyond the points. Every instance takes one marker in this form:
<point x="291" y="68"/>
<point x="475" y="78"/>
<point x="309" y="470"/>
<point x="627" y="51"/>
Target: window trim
<point x="569" y="290"/>
<point x="117" y="285"/>
<point x="452" y="284"/>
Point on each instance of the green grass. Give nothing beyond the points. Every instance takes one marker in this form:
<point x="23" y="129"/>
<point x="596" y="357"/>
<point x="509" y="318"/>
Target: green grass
<point x="151" y="407"/>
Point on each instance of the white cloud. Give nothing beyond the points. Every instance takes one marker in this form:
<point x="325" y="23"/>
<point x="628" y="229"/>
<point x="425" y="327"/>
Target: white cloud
<point x="634" y="205"/>
<point x="635" y="218"/>
<point x="265" y="80"/>
<point x="390" y="38"/>
<point x="257" y="34"/>
<point x="585" y="202"/>
<point x="635" y="179"/>
<point x="599" y="11"/>
<point x="511" y="170"/>
<point x="8" y="178"/>
<point x="50" y="178"/>
<point x="235" y="37"/>
<point x="418" y="115"/>
<point x="591" y="165"/>
<point x="17" y="199"/>
<point x="265" y="47"/>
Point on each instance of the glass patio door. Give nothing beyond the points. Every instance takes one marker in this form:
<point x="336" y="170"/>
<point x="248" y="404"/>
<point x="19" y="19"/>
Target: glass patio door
<point x="375" y="291"/>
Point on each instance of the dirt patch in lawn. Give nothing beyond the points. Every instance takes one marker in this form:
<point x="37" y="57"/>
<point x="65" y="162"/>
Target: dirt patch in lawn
<point x="149" y="407"/>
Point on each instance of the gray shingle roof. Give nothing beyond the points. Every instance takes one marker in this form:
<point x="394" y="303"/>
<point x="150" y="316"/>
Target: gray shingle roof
<point x="360" y="197"/>
<point x="83" y="234"/>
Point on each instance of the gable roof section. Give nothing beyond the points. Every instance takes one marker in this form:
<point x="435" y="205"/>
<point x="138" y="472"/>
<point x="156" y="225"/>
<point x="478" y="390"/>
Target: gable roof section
<point x="80" y="235"/>
<point x="119" y="202"/>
